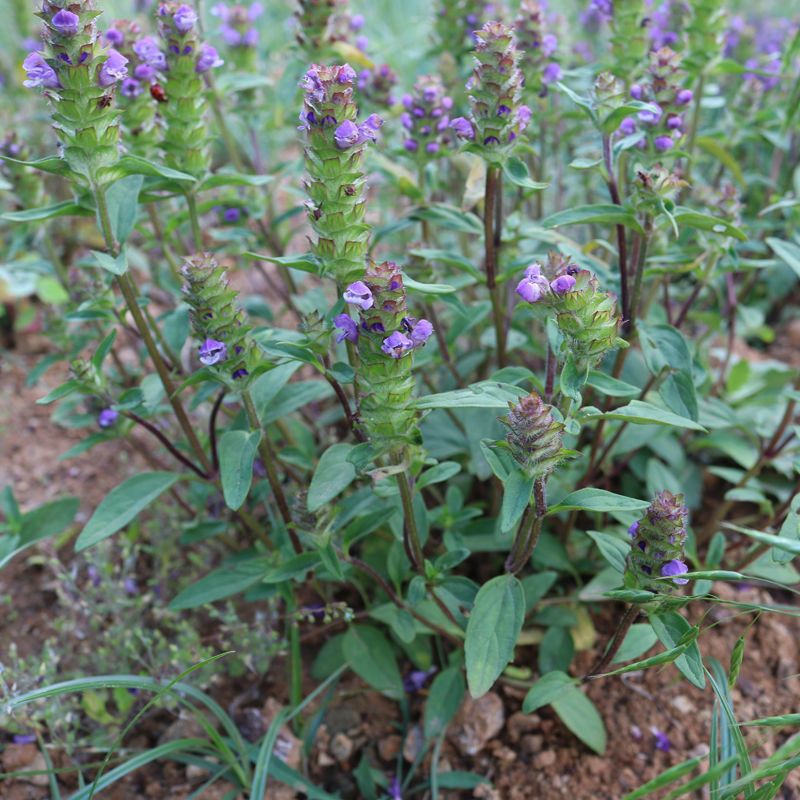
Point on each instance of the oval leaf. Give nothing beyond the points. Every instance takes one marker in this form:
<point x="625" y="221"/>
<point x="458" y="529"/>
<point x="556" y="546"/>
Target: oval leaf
<point x="237" y="452"/>
<point x="333" y="475"/>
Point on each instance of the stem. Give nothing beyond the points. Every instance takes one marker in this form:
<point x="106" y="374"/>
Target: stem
<point x="491" y="246"/>
<point x="410" y="532"/>
<point x="212" y="430"/>
<point x="219" y="118"/>
<point x="166" y="442"/>
<point x="270" y="458"/>
<point x="617" y="638"/>
<point x="529" y="529"/>
<point x="550" y="374"/>
<point x="640" y="256"/>
<point x="613" y="189"/>
<point x="128" y="290"/>
<point x="197" y="233"/>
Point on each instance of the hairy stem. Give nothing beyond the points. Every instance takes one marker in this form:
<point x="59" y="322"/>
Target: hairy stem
<point x="491" y="241"/>
<point x="617" y="638"/>
<point x="622" y="249"/>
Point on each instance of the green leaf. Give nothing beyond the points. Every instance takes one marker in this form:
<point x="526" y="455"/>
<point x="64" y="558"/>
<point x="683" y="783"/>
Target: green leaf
<point x="790" y="529"/>
<point x="780" y="542"/>
<point x="63" y="390"/>
<point x="581" y="716"/>
<point x="123" y="504"/>
<point x="639" y="639"/>
<point x="305" y="262"/>
<point x="371" y="657"/>
<point x="614" y="549"/>
<point x="671" y="627"/>
<point x="516" y="170"/>
<point x="136" y="165"/>
<point x="333" y="475"/>
<point x="41" y="523"/>
<point x="705" y="222"/>
<point x="598" y="500"/>
<point x="492" y="631"/>
<point x="237" y="452"/>
<point x="637" y="412"/>
<point x="611" y="387"/>
<point x="486" y="394"/>
<point x="427" y="288"/>
<point x="438" y="473"/>
<point x="517" y="488"/>
<point x="116" y="266"/>
<point x="788" y="252"/>
<point x="122" y="198"/>
<point x="450" y="218"/>
<point x="444" y="700"/>
<point x="233" y="179"/>
<point x="556" y="649"/>
<point x="546" y="690"/>
<point x="221" y="583"/>
<point x="603" y="213"/>
<point x="55" y="165"/>
<point x="714" y="147"/>
<point x="67" y="208"/>
<point x="631" y="107"/>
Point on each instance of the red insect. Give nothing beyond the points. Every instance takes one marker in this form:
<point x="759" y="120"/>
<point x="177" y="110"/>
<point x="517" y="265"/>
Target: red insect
<point x="157" y="93"/>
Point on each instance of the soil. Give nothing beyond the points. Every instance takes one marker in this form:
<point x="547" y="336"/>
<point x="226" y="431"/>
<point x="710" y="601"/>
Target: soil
<point x="524" y="756"/>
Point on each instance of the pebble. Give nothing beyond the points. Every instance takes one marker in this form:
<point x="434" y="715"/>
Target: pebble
<point x="341" y="747"/>
<point x="545" y="759"/>
<point x="532" y="743"/>
<point x="18" y="756"/>
<point x="477" y="722"/>
<point x="683" y="704"/>
<point x="389" y="747"/>
<point x="414" y="744"/>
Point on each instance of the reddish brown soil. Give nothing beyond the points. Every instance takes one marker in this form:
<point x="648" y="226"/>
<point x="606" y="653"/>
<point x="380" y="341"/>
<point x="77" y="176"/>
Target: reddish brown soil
<point x="533" y="756"/>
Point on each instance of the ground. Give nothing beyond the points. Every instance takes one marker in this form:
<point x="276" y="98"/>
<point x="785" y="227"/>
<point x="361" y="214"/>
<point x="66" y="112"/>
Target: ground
<point x="525" y="756"/>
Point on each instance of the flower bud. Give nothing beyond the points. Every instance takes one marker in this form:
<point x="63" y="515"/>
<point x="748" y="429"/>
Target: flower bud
<point x="218" y="324"/>
<point x="657" y="546"/>
<point x="534" y="437"/>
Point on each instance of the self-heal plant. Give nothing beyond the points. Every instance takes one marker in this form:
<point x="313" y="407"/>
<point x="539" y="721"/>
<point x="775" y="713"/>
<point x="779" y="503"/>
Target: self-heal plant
<point x="539" y="61"/>
<point x="426" y="119"/>
<point x="335" y="143"/>
<point x="79" y="75"/>
<point x="239" y="33"/>
<point x="186" y="58"/>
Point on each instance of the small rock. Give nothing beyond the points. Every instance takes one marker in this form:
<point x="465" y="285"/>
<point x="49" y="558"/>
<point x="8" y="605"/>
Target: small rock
<point x="545" y="759"/>
<point x="412" y="746"/>
<point x="18" y="756"/>
<point x="187" y="727"/>
<point x="37" y="765"/>
<point x="519" y="724"/>
<point x="595" y="765"/>
<point x="532" y="743"/>
<point x="389" y="747"/>
<point x="699" y="751"/>
<point x="477" y="722"/>
<point x="341" y="747"/>
<point x="288" y="748"/>
<point x="683" y="704"/>
<point x="324" y="760"/>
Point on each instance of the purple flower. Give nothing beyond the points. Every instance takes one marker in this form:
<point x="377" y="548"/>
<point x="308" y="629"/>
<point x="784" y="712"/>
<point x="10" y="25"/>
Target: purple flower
<point x="144" y="72"/>
<point x="346" y="74"/>
<point x="411" y="145"/>
<point x="348" y="329"/>
<point x="94" y="575"/>
<point x="530" y="291"/>
<point x="66" y="23"/>
<point x="347" y="135"/>
<point x="208" y="58"/>
<point x="662" y="740"/>
<point x="675" y="122"/>
<point x="149" y="52"/>
<point x="395" y="789"/>
<point x="24" y="738"/>
<point x="373" y="122"/>
<point x="627" y="126"/>
<point x="359" y="294"/>
<point x="230" y="36"/>
<point x="463" y="128"/>
<point x="184" y="19"/>
<point x="523" y="117"/>
<point x="552" y="73"/>
<point x="419" y="330"/>
<point x="432" y="147"/>
<point x="684" y="97"/>
<point x="212" y="352"/>
<point x="239" y="373"/>
<point x="39" y="72"/>
<point x="356" y="22"/>
<point x="114" y="37"/>
<point x="662" y="143"/>
<point x="637" y="93"/>
<point x="397" y="345"/>
<point x="231" y="215"/>
<point x="633" y="529"/>
<point x="651" y="117"/>
<point x="674" y="568"/>
<point x="107" y="417"/>
<point x="562" y="284"/>
<point x="416" y="679"/>
<point x="362" y="43"/>
<point x="130" y="88"/>
<point x="114" y="69"/>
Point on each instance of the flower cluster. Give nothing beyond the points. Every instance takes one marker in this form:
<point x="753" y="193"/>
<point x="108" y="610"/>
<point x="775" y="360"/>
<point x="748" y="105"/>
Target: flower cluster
<point x="534" y="437"/>
<point x="663" y="126"/>
<point x="238" y="32"/>
<point x="538" y="46"/>
<point x="320" y="23"/>
<point x="79" y="75"/>
<point x="426" y="118"/>
<point x="495" y="86"/>
<point x="183" y="63"/>
<point x="140" y="119"/>
<point x="377" y="85"/>
<point x="386" y="336"/>
<point x="335" y="145"/>
<point x="586" y="317"/>
<point x="657" y="543"/>
<point x="666" y="23"/>
<point x="218" y="323"/>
